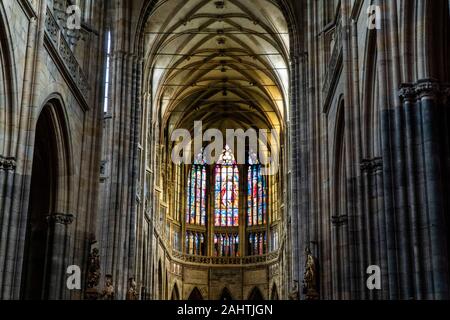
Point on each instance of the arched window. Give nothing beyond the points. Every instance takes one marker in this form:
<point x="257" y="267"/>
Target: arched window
<point x="196" y="190"/>
<point x="257" y="194"/>
<point x="226" y="191"/>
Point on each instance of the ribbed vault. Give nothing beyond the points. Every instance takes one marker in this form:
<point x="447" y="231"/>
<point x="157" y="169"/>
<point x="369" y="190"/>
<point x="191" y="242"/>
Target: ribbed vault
<point x="221" y="62"/>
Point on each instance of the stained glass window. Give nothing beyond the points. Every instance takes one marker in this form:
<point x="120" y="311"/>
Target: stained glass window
<point x="256" y="194"/>
<point x="257" y="244"/>
<point x="195" y="243"/>
<point x="226" y="191"/>
<point x="226" y="245"/>
<point x="196" y="190"/>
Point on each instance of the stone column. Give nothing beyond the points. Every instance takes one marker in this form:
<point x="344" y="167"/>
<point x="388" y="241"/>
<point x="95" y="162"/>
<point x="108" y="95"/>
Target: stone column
<point x="430" y="99"/>
<point x="7" y="173"/>
<point x="59" y="246"/>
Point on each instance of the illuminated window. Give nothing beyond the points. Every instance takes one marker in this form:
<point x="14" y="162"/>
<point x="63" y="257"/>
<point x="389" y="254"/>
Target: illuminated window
<point x="257" y="244"/>
<point x="226" y="191"/>
<point x="108" y="65"/>
<point x="196" y="190"/>
<point x="256" y="194"/>
<point x="226" y="245"/>
<point x="195" y="243"/>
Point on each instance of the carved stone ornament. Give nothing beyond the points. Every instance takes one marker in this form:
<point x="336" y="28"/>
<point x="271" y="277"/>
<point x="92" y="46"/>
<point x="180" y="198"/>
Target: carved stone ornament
<point x="426" y="88"/>
<point x="132" y="293"/>
<point x="7" y="164"/>
<point x="61" y="218"/>
<point x="295" y="292"/>
<point x="108" y="292"/>
<point x="372" y="165"/>
<point x="310" y="277"/>
<point x="93" y="269"/>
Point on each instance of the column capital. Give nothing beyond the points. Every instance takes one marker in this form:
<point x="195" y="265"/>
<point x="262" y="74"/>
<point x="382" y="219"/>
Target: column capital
<point x="7" y="163"/>
<point x="407" y="92"/>
<point x="339" y="221"/>
<point x="427" y="88"/>
<point x="371" y="165"/>
<point x="61" y="218"/>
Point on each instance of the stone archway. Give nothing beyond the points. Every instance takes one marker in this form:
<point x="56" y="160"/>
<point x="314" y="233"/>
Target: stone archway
<point x="256" y="295"/>
<point x="42" y="192"/>
<point x="195" y="295"/>
<point x="175" y="293"/>
<point x="226" y="295"/>
<point x="48" y="217"/>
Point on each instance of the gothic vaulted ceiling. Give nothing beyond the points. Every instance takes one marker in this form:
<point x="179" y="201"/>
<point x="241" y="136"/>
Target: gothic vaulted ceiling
<point x="223" y="62"/>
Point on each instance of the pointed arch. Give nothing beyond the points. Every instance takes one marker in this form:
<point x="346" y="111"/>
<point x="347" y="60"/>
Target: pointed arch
<point x="8" y="86"/>
<point x="274" y="295"/>
<point x="49" y="205"/>
<point x="175" y="293"/>
<point x="255" y="295"/>
<point x="226" y="295"/>
<point x="195" y="295"/>
<point x="371" y="132"/>
<point x="54" y="110"/>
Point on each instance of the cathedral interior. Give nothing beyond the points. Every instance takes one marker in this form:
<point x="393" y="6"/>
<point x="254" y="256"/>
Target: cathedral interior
<point x="354" y="93"/>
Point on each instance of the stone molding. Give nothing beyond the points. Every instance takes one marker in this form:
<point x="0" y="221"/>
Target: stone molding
<point x="7" y="163"/>
<point x="372" y="165"/>
<point x="61" y="218"/>
<point x="339" y="221"/>
<point x="426" y="88"/>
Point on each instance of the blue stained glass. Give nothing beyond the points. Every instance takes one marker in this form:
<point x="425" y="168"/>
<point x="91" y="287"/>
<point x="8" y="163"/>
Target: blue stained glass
<point x="256" y="190"/>
<point x="188" y="209"/>
<point x="226" y="190"/>
<point x="196" y="204"/>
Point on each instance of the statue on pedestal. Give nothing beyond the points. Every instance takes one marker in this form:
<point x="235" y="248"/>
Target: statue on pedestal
<point x="132" y="293"/>
<point x="295" y="293"/>
<point x="108" y="292"/>
<point x="310" y="277"/>
<point x="93" y="275"/>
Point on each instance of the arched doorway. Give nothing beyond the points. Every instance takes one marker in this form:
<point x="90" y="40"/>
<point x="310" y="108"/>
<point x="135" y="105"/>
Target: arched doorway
<point x="42" y="194"/>
<point x="195" y="295"/>
<point x="48" y="219"/>
<point x="226" y="295"/>
<point x="255" y="295"/>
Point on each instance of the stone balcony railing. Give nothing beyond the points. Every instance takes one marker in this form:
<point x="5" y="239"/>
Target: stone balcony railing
<point x="225" y="261"/>
<point x="65" y="53"/>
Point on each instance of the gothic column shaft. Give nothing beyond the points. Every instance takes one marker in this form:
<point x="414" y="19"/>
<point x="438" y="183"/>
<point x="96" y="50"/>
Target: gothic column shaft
<point x="58" y="244"/>
<point x="351" y="194"/>
<point x="16" y="207"/>
<point x="411" y="139"/>
<point x="386" y="116"/>
<point x="430" y="106"/>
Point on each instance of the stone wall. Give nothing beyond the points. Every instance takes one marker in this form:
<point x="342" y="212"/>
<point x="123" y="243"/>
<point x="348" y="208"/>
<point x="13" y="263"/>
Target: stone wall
<point x="42" y="72"/>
